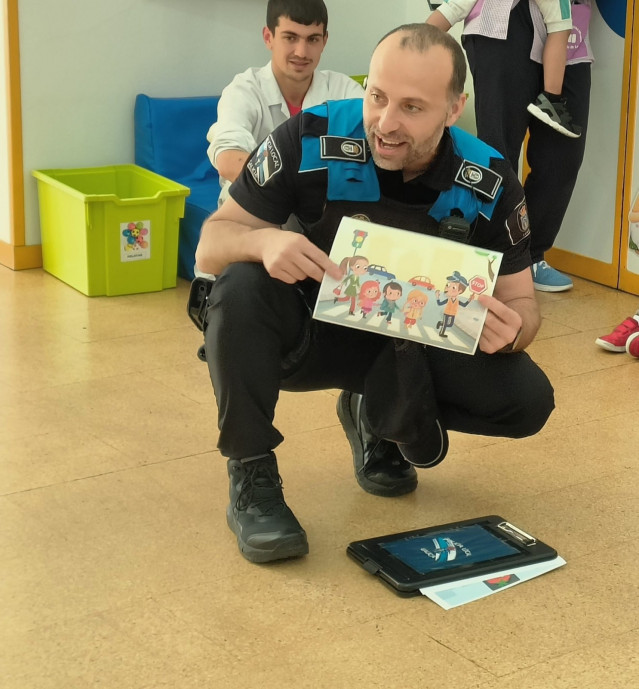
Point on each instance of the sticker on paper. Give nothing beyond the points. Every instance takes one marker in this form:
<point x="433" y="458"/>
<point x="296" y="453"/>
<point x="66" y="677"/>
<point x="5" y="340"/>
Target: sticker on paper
<point x="135" y="243"/>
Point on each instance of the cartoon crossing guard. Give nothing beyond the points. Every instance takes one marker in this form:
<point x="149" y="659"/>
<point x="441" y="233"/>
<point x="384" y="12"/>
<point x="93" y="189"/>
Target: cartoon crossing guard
<point x="456" y="284"/>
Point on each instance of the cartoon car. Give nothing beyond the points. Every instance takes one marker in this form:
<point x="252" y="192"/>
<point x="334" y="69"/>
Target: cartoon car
<point x="421" y="281"/>
<point x="381" y="271"/>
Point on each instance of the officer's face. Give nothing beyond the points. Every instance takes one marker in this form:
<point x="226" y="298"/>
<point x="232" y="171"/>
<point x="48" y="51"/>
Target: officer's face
<point x="296" y="49"/>
<point x="407" y="105"/>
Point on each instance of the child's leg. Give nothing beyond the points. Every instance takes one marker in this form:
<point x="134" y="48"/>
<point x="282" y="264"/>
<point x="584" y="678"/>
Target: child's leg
<point x="550" y="105"/>
<point x="554" y="62"/>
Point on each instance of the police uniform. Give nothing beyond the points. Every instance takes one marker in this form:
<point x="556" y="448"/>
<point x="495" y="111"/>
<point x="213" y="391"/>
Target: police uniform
<point x="260" y="337"/>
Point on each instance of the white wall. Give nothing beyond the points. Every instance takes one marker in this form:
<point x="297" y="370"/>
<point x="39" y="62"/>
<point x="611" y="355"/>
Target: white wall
<point x="417" y="11"/>
<point x="83" y="63"/>
<point x="5" y="230"/>
<point x="588" y="228"/>
<point x="633" y="186"/>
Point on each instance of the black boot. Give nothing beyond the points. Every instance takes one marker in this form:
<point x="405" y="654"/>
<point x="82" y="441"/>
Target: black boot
<point x="265" y="527"/>
<point x="380" y="468"/>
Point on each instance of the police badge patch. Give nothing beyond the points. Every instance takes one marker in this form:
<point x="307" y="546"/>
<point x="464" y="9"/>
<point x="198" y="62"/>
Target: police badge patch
<point x="480" y="179"/>
<point x="518" y="225"/>
<point x="341" y="148"/>
<point x="266" y="162"/>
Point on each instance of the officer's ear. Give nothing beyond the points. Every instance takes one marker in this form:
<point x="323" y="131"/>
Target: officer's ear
<point x="456" y="109"/>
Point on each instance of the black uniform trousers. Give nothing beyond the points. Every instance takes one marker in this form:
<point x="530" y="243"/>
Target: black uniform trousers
<point x="260" y="338"/>
<point x="505" y="81"/>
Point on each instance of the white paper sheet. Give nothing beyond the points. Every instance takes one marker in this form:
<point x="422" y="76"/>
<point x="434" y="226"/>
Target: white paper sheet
<point x="453" y="594"/>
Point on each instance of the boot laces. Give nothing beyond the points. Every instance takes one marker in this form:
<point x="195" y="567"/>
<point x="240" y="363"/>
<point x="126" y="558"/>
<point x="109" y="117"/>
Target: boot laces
<point x="261" y="488"/>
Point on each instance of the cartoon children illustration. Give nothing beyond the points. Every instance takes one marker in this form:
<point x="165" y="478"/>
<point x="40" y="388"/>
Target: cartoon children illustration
<point x="355" y="267"/>
<point x="415" y="303"/>
<point x="392" y="292"/>
<point x="456" y="284"/>
<point x="368" y="295"/>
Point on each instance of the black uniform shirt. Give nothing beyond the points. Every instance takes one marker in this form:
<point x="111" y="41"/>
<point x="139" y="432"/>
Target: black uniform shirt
<point x="275" y="191"/>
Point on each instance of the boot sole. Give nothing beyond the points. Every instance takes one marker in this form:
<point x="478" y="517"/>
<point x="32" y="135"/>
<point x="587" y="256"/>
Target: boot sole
<point x="294" y="545"/>
<point x="344" y="415"/>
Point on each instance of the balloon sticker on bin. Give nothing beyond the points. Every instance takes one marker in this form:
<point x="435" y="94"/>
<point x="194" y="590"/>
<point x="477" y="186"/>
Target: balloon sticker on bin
<point x="135" y="243"/>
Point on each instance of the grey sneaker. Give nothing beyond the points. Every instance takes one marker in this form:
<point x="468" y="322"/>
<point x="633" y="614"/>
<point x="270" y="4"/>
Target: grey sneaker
<point x="555" y="115"/>
<point x="265" y="527"/>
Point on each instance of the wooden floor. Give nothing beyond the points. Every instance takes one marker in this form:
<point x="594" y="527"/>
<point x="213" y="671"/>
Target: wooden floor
<point x="117" y="569"/>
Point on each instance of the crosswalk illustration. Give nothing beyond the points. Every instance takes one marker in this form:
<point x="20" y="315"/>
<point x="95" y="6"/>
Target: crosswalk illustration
<point x="420" y="332"/>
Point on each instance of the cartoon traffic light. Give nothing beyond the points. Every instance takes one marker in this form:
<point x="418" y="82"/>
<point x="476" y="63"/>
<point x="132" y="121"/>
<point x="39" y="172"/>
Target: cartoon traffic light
<point x="358" y="239"/>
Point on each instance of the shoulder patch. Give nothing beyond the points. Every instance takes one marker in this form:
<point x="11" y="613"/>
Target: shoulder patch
<point x="483" y="180"/>
<point x="266" y="162"/>
<point x="517" y="224"/>
<point x="342" y="148"/>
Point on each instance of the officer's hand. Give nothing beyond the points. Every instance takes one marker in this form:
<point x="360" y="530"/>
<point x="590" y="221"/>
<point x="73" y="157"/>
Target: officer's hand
<point x="501" y="327"/>
<point x="291" y="257"/>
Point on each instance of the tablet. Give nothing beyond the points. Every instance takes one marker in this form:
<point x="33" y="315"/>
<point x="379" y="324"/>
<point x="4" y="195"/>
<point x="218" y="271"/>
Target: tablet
<point x="411" y="560"/>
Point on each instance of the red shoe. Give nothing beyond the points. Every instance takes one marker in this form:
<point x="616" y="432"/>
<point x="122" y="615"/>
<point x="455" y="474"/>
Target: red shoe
<point x="616" y="341"/>
<point x="632" y="345"/>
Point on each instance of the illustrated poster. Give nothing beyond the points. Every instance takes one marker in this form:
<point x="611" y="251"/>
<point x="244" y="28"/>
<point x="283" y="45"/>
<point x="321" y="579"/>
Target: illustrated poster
<point x="408" y="285"/>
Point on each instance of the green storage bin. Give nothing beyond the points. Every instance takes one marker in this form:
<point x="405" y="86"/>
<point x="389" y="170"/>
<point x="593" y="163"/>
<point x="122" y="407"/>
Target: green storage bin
<point x="110" y="230"/>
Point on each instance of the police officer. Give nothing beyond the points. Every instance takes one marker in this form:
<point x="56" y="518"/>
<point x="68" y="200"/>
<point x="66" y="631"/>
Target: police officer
<point x="396" y="159"/>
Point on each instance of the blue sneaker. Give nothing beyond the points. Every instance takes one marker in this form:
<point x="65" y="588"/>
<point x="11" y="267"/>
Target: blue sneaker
<point x="547" y="279"/>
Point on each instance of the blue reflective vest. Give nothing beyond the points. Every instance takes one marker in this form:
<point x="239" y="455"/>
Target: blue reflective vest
<point x="352" y="176"/>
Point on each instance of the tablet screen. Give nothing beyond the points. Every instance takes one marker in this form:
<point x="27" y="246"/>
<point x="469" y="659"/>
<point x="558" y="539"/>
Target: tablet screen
<point x="449" y="548"/>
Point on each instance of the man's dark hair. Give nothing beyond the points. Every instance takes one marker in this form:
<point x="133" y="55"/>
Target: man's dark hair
<point x="420" y="37"/>
<point x="300" y="11"/>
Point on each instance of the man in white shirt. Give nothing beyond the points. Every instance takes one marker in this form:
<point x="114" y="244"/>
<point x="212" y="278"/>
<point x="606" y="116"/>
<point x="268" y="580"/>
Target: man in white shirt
<point x="261" y="98"/>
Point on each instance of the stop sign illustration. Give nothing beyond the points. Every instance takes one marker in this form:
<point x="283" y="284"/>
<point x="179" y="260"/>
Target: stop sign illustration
<point x="478" y="284"/>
